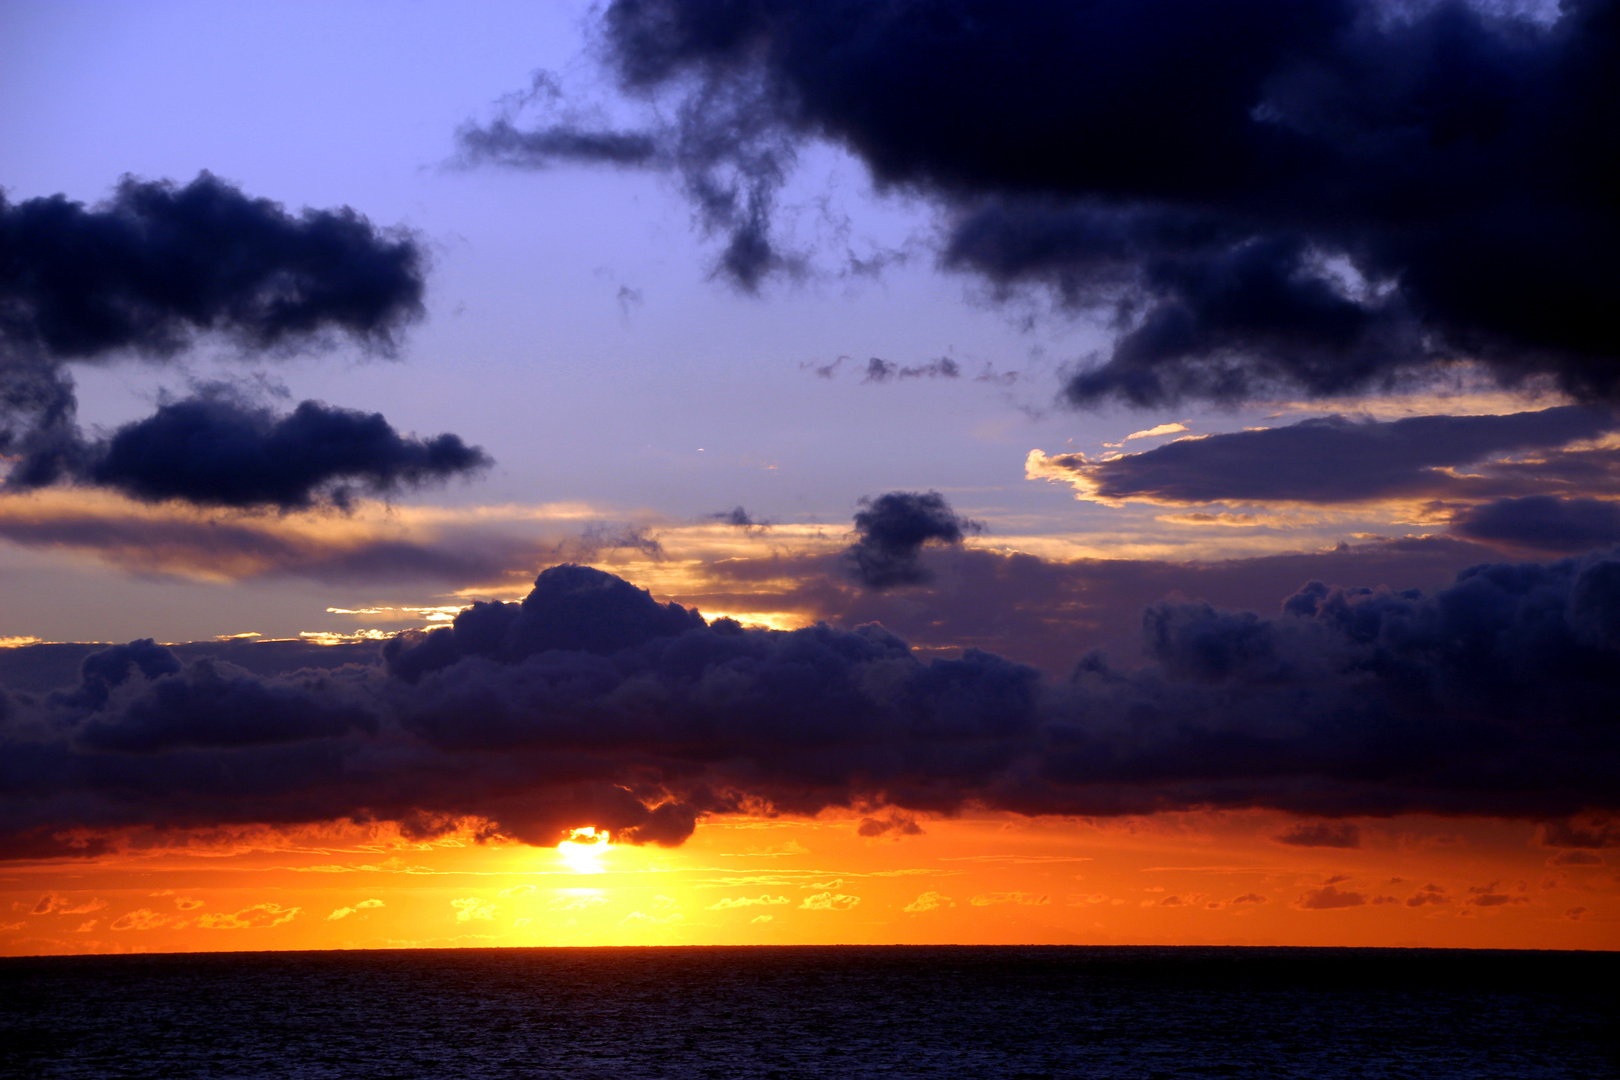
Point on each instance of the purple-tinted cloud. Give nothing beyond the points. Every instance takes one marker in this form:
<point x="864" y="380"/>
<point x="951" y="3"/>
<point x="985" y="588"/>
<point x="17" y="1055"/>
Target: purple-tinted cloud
<point x="1324" y="197"/>
<point x="1329" y="834"/>
<point x="1339" y="460"/>
<point x="1543" y="523"/>
<point x="892" y="531"/>
<point x="213" y="451"/>
<point x="591" y="703"/>
<point x="160" y="265"/>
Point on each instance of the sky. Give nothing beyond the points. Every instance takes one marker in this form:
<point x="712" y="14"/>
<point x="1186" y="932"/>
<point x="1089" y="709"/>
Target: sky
<point x="669" y="471"/>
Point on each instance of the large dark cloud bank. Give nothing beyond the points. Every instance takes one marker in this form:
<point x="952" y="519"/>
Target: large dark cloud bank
<point x="1317" y="196"/>
<point x="591" y="703"/>
<point x="156" y="269"/>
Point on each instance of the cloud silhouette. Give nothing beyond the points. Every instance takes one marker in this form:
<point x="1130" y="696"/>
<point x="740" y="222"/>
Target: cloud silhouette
<point x="150" y="271"/>
<point x="1543" y="523"/>
<point x="892" y="531"/>
<point x="1268" y="196"/>
<point x="213" y="451"/>
<point x="1339" y="460"/>
<point x="1329" y="834"/>
<point x="592" y="704"/>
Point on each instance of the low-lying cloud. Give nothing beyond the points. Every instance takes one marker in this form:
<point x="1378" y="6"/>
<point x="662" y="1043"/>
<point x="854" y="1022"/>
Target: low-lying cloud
<point x="592" y="704"/>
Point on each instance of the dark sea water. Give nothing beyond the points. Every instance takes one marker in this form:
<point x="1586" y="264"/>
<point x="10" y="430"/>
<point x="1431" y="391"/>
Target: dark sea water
<point x="841" y="1011"/>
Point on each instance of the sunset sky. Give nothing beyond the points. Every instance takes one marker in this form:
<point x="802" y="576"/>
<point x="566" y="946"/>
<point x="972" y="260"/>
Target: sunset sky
<point x="1054" y="472"/>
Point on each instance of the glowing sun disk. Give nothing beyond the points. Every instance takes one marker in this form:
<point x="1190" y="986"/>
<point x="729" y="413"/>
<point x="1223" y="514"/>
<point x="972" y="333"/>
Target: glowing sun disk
<point x="583" y="852"/>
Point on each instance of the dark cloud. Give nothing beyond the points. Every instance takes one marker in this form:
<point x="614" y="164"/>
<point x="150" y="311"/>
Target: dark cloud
<point x="212" y="450"/>
<point x="571" y="608"/>
<point x="880" y="371"/>
<point x="213" y="705"/>
<point x="1329" y="897"/>
<point x="1581" y="833"/>
<point x="159" y="263"/>
<point x="900" y="824"/>
<point x="1317" y="197"/>
<point x="1487" y="896"/>
<point x="1543" y="523"/>
<point x="1339" y="460"/>
<point x="503" y="144"/>
<point x="150" y="271"/>
<point x="590" y="703"/>
<point x="1429" y="894"/>
<point x="1329" y="834"/>
<point x="892" y="530"/>
<point x="740" y="518"/>
<point x="1048" y="612"/>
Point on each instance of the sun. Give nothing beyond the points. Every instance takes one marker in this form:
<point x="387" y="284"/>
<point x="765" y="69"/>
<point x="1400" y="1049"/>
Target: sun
<point x="584" y="849"/>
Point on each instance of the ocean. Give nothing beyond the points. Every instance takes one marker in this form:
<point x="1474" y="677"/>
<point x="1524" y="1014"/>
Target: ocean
<point x="825" y="1011"/>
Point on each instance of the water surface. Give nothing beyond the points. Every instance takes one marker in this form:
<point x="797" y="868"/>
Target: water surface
<point x="835" y="1011"/>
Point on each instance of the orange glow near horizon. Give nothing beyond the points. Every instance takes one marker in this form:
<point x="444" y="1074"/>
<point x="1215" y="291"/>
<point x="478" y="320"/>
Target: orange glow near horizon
<point x="1173" y="879"/>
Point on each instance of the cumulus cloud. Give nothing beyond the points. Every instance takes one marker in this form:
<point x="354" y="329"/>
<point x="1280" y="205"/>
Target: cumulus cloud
<point x="580" y="902"/>
<point x="1329" y="897"/>
<point x="1586" y="832"/>
<point x="591" y="703"/>
<point x="56" y="904"/>
<point x="1049" y="611"/>
<point x="1330" y="834"/>
<point x="345" y="911"/>
<point x="929" y="901"/>
<point x="746" y="901"/>
<point x="900" y="824"/>
<point x="213" y="450"/>
<point x="1341" y="195"/>
<point x="893" y="529"/>
<point x="257" y="917"/>
<point x="142" y="919"/>
<point x="160" y="265"/>
<point x="1488" y="896"/>
<point x="469" y="908"/>
<point x="1429" y="894"/>
<point x="1022" y="899"/>
<point x="829" y="901"/>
